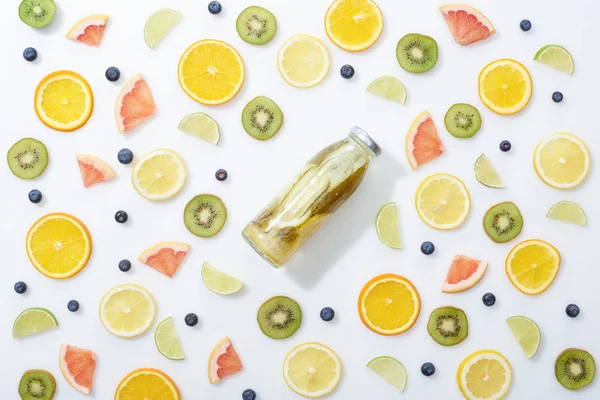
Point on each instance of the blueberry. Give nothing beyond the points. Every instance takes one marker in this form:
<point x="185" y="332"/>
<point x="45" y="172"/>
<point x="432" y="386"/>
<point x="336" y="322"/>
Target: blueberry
<point x="427" y="248"/>
<point x="221" y="175"/>
<point x="191" y="319"/>
<point x="35" y="196"/>
<point x="347" y="71"/>
<point x="572" y="310"/>
<point x="327" y="314"/>
<point x="505" y="146"/>
<point x="30" y="54"/>
<point x="428" y="369"/>
<point x="121" y="216"/>
<point x="557" y="97"/>
<point x="20" y="287"/>
<point x="214" y="7"/>
<point x="125" y="156"/>
<point x="73" y="305"/>
<point x="489" y="299"/>
<point x="248" y="394"/>
<point x="525" y="25"/>
<point x="112" y="74"/>
<point x="124" y="265"/>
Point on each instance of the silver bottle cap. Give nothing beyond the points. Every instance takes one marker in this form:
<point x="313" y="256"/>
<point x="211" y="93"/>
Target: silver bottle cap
<point x="366" y="139"/>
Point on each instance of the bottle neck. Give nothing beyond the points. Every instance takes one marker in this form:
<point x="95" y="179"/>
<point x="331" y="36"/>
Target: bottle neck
<point x="365" y="141"/>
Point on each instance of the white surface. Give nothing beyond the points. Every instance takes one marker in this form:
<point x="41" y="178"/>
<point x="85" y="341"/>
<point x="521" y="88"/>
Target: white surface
<point x="346" y="253"/>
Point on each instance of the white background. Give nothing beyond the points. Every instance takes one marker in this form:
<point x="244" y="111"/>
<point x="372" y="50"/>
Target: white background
<point x="346" y="253"/>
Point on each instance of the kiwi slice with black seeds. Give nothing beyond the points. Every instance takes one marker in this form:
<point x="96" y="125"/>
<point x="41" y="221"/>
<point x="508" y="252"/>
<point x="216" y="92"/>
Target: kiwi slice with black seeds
<point x="256" y="25"/>
<point x="575" y="369"/>
<point x="279" y="317"/>
<point x="27" y="158"/>
<point x="462" y="120"/>
<point x="262" y="118"/>
<point x="37" y="13"/>
<point x="417" y="53"/>
<point x="37" y="384"/>
<point x="503" y="222"/>
<point x="448" y="325"/>
<point x="205" y="215"/>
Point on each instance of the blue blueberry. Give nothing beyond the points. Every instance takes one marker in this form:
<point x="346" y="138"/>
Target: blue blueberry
<point x="20" y="287"/>
<point x="428" y="369"/>
<point x="214" y="7"/>
<point x="112" y="74"/>
<point x="572" y="310"/>
<point x="221" y="175"/>
<point x="525" y="25"/>
<point x="124" y="265"/>
<point x="427" y="248"/>
<point x="327" y="314"/>
<point x="73" y="305"/>
<point x="557" y="97"/>
<point x="121" y="216"/>
<point x="30" y="54"/>
<point x="125" y="156"/>
<point x="35" y="196"/>
<point x="347" y="71"/>
<point x="191" y="319"/>
<point x="489" y="299"/>
<point x="505" y="146"/>
<point x="249" y="394"/>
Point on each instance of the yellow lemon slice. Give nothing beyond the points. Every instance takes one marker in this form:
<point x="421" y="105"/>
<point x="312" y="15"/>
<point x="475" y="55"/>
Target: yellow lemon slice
<point x="353" y="25"/>
<point x="312" y="370"/>
<point x="144" y="382"/>
<point x="505" y="86"/>
<point x="127" y="310"/>
<point x="484" y="375"/>
<point x="443" y="201"/>
<point x="303" y="61"/>
<point x="562" y="161"/>
<point x="532" y="265"/>
<point x="159" y="175"/>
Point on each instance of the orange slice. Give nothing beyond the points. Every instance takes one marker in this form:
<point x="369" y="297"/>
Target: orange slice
<point x="505" y="86"/>
<point x="353" y="25"/>
<point x="467" y="24"/>
<point x="532" y="266"/>
<point x="89" y="30"/>
<point x="422" y="141"/>
<point x="223" y="361"/>
<point x="93" y="170"/>
<point x="78" y="367"/>
<point x="134" y="105"/>
<point x="147" y="383"/>
<point x="464" y="273"/>
<point x="165" y="257"/>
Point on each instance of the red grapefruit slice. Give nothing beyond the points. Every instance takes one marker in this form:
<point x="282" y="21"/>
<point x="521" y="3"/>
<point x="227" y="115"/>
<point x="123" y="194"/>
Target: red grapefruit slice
<point x="134" y="104"/>
<point x="165" y="257"/>
<point x="466" y="23"/>
<point x="89" y="30"/>
<point x="93" y="170"/>
<point x="422" y="141"/>
<point x="78" y="367"/>
<point x="464" y="273"/>
<point x="223" y="362"/>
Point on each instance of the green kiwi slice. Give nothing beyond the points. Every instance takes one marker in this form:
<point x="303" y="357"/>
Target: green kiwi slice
<point x="462" y="120"/>
<point x="448" y="325"/>
<point x="37" y="384"/>
<point x="205" y="215"/>
<point x="37" y="13"/>
<point x="256" y="25"/>
<point x="262" y="118"/>
<point x="503" y="222"/>
<point x="575" y="369"/>
<point x="27" y="158"/>
<point x="417" y="53"/>
<point x="279" y="317"/>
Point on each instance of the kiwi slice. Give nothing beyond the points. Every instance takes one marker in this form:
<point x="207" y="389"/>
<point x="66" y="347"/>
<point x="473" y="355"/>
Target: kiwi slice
<point x="503" y="222"/>
<point x="462" y="120"/>
<point x="205" y="215"/>
<point x="262" y="118"/>
<point x="37" y="13"/>
<point x="448" y="325"/>
<point x="37" y="384"/>
<point x="256" y="25"/>
<point x="279" y="317"/>
<point x="575" y="369"/>
<point x="417" y="53"/>
<point x="27" y="158"/>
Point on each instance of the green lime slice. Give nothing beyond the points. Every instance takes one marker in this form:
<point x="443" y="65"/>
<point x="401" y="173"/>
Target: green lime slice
<point x="557" y="57"/>
<point x="526" y="332"/>
<point x="167" y="341"/>
<point x="391" y="370"/>
<point x="33" y="321"/>
<point x="159" y="25"/>
<point x="567" y="211"/>
<point x="201" y="126"/>
<point x="387" y="226"/>
<point x="389" y="88"/>
<point x="220" y="282"/>
<point x="486" y="174"/>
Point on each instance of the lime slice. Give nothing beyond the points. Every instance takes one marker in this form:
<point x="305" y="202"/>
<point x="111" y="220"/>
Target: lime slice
<point x="389" y="88"/>
<point x="387" y="226"/>
<point x="486" y="174"/>
<point x="567" y="211"/>
<point x="391" y="370"/>
<point x="32" y="321"/>
<point x="159" y="25"/>
<point x="527" y="334"/>
<point x="219" y="282"/>
<point x="202" y="126"/>
<point x="557" y="57"/>
<point x="167" y="340"/>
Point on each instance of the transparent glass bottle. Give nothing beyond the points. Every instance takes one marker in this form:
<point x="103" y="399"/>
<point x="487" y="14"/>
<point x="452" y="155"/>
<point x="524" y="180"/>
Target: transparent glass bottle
<point x="325" y="183"/>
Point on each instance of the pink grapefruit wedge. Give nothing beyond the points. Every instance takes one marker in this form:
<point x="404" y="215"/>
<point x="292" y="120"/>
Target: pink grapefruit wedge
<point x="165" y="257"/>
<point x="78" y="367"/>
<point x="464" y="273"/>
<point x="223" y="362"/>
<point x="93" y="170"/>
<point x="422" y="141"/>
<point x="134" y="104"/>
<point x="89" y="30"/>
<point x="466" y="23"/>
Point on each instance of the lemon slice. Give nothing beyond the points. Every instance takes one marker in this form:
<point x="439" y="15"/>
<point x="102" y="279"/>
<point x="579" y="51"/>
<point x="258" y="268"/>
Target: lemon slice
<point x="486" y="174"/>
<point x="159" y="25"/>
<point x="556" y="57"/>
<point x="127" y="310"/>
<point x="303" y="61"/>
<point x="562" y="160"/>
<point x="505" y="86"/>
<point x="167" y="341"/>
<point x="201" y="126"/>
<point x="353" y="25"/>
<point x="33" y="321"/>
<point x="484" y="375"/>
<point x="219" y="282"/>
<point x="567" y="211"/>
<point x="391" y="370"/>
<point x="443" y="201"/>
<point x="388" y="229"/>
<point x="159" y="175"/>
<point x="388" y="88"/>
<point x="312" y="370"/>
<point x="526" y="332"/>
<point x="532" y="265"/>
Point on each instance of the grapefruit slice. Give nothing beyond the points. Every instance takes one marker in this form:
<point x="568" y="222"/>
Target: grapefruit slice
<point x="93" y="170"/>
<point x="422" y="141"/>
<point x="165" y="257"/>
<point x="223" y="361"/>
<point x="134" y="104"/>
<point x="78" y="367"/>
<point x="464" y="273"/>
<point x="89" y="30"/>
<point x="466" y="23"/>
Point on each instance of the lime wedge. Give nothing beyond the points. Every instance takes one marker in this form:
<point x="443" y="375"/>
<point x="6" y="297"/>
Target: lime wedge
<point x="486" y="174"/>
<point x="202" y="126"/>
<point x="159" y="25"/>
<point x="32" y="321"/>
<point x="557" y="57"/>
<point x="527" y="334"/>
<point x="219" y="282"/>
<point x="391" y="370"/>
<point x="389" y="88"/>
<point x="567" y="211"/>
<point x="167" y="340"/>
<point x="387" y="226"/>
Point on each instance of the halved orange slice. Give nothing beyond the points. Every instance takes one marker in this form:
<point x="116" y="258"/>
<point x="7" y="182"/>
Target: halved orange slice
<point x="464" y="273"/>
<point x="147" y="383"/>
<point x="134" y="105"/>
<point x="89" y="30"/>
<point x="467" y="24"/>
<point x="165" y="257"/>
<point x="93" y="170"/>
<point x="422" y="141"/>
<point x="353" y="25"/>
<point x="223" y="361"/>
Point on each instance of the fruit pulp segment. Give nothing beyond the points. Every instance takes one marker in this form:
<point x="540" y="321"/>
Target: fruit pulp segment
<point x="137" y="105"/>
<point x="390" y="305"/>
<point x="127" y="310"/>
<point x="466" y="27"/>
<point x="505" y="86"/>
<point x="462" y="269"/>
<point x="64" y="100"/>
<point x="533" y="266"/>
<point x="80" y="365"/>
<point x="563" y="160"/>
<point x="442" y="201"/>
<point x="228" y="363"/>
<point x="147" y="386"/>
<point x="426" y="143"/>
<point x="312" y="370"/>
<point x="485" y="378"/>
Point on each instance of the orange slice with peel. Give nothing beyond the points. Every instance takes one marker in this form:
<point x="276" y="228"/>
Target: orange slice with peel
<point x="422" y="141"/>
<point x="89" y="30"/>
<point x="464" y="273"/>
<point x="147" y="383"/>
<point x="93" y="170"/>
<point x="165" y="257"/>
<point x="505" y="86"/>
<point x="353" y="25"/>
<point x="78" y="367"/>
<point x="532" y="266"/>
<point x="467" y="24"/>
<point x="223" y="361"/>
<point x="134" y="105"/>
